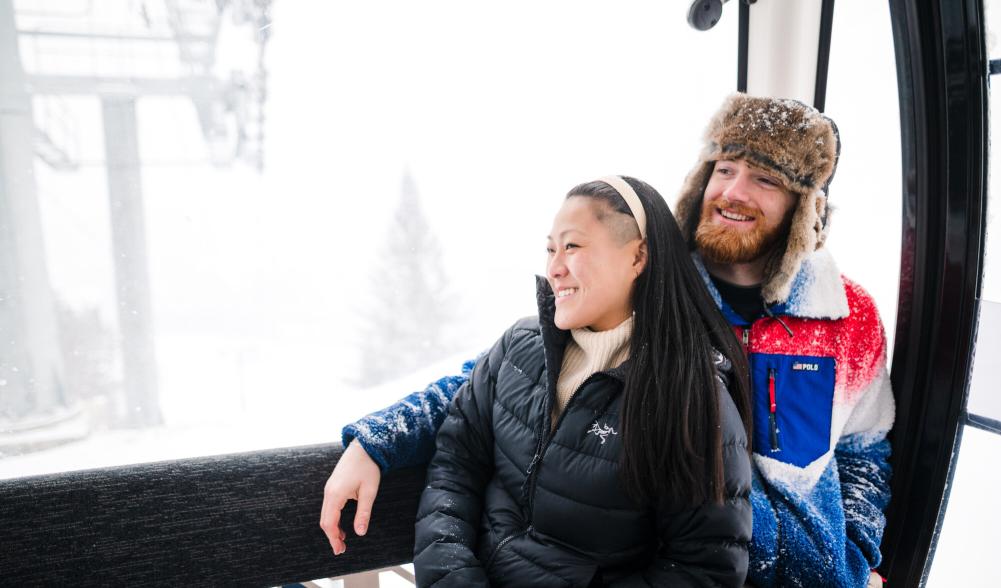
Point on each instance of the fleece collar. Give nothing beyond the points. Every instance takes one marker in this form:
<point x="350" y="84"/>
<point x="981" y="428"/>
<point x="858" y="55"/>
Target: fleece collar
<point x="817" y="291"/>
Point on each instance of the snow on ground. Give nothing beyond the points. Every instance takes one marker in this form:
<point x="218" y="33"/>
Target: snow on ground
<point x="300" y="412"/>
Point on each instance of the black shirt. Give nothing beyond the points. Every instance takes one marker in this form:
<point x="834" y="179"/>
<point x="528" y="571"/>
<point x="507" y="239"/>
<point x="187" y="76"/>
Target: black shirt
<point x="744" y="300"/>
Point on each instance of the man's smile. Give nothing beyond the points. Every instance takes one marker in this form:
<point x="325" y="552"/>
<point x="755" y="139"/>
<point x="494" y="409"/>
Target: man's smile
<point x="729" y="214"/>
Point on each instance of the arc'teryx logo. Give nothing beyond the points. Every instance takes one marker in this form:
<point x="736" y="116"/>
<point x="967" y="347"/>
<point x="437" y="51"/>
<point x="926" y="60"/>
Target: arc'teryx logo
<point x="603" y="431"/>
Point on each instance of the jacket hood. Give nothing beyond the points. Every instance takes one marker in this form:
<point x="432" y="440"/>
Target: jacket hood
<point x="788" y="139"/>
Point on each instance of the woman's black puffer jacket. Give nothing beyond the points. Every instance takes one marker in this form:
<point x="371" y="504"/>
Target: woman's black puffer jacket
<point x="509" y="503"/>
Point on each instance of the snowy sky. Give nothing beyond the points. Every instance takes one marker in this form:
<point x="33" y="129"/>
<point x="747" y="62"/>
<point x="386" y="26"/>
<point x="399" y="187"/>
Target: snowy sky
<point x="496" y="111"/>
<point x="257" y="278"/>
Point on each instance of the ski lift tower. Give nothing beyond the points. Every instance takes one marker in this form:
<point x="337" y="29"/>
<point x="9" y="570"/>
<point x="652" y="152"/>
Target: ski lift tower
<point x="117" y="51"/>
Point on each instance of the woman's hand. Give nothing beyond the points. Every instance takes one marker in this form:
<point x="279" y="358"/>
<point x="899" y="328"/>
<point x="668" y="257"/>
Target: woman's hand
<point x="356" y="477"/>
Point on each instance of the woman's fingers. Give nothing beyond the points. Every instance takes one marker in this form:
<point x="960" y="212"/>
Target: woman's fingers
<point x="356" y="477"/>
<point x="330" y="515"/>
<point x="366" y="497"/>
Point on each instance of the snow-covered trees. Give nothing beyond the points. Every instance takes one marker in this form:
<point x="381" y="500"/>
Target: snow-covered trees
<point x="406" y="322"/>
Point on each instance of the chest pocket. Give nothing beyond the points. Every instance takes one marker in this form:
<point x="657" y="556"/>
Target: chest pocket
<point x="793" y="399"/>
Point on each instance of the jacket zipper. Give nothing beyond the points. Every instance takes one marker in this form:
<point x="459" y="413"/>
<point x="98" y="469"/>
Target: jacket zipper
<point x="533" y="468"/>
<point x="528" y="488"/>
<point x="746" y="339"/>
<point x="504" y="542"/>
<point x="772" y="410"/>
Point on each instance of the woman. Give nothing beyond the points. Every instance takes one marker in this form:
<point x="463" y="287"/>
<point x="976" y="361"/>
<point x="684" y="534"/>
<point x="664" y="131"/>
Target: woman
<point x="603" y="442"/>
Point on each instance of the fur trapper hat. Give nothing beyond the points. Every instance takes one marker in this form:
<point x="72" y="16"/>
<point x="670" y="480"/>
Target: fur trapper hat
<point x="788" y="139"/>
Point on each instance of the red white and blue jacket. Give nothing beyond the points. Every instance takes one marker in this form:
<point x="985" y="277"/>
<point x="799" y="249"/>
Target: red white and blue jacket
<point x="822" y="407"/>
<point x="822" y="410"/>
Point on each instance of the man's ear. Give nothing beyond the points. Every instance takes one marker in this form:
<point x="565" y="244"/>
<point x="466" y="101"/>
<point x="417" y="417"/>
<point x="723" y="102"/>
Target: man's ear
<point x="639" y="261"/>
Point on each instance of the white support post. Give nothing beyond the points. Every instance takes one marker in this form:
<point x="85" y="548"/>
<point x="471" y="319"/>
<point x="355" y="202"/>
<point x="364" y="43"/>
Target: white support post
<point x="128" y="238"/>
<point x="782" y="46"/>
<point x="31" y="368"/>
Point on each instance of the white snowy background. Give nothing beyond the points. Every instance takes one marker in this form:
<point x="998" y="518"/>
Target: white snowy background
<point x="495" y="111"/>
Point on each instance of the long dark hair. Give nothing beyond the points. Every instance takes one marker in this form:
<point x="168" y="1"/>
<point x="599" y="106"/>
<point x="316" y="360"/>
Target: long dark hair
<point x="672" y="446"/>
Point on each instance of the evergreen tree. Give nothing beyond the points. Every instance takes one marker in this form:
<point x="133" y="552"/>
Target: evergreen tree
<point x="408" y="318"/>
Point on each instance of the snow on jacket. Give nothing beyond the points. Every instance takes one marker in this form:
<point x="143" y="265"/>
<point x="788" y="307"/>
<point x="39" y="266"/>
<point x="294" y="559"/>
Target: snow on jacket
<point x="513" y="501"/>
<point x="822" y="407"/>
<point x="818" y="502"/>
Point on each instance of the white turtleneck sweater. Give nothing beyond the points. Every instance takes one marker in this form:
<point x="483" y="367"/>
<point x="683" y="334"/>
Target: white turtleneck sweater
<point x="588" y="352"/>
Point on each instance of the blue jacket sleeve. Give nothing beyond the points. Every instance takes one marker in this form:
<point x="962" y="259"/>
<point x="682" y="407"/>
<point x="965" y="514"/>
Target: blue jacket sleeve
<point x="830" y="535"/>
<point x="864" y="470"/>
<point x="402" y="435"/>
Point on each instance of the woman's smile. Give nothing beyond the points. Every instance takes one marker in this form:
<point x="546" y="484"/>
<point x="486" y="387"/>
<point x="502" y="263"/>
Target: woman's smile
<point x="565" y="293"/>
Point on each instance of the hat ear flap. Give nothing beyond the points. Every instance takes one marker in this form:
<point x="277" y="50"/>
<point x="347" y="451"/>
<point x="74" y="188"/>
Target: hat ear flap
<point x="823" y="225"/>
<point x="804" y="238"/>
<point x="688" y="206"/>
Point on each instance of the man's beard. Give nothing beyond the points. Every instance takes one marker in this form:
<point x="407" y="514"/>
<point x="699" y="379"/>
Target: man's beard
<point x="720" y="243"/>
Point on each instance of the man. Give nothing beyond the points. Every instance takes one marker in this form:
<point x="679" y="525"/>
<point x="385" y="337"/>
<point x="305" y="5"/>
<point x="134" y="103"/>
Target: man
<point x="755" y="212"/>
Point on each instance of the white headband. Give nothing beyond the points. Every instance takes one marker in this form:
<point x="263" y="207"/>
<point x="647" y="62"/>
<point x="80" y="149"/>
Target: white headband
<point x="632" y="200"/>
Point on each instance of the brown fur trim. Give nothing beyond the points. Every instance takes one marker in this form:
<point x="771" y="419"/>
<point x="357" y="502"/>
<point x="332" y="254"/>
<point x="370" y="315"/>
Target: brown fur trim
<point x="688" y="207"/>
<point x="784" y="137"/>
<point x="802" y="241"/>
<point x="824" y="213"/>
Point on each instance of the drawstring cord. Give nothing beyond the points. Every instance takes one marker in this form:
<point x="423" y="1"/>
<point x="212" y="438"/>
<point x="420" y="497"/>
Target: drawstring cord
<point x="769" y="314"/>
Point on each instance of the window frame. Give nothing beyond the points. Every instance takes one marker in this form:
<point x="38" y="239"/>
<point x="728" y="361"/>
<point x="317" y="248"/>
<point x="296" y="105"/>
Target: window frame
<point x="942" y="77"/>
